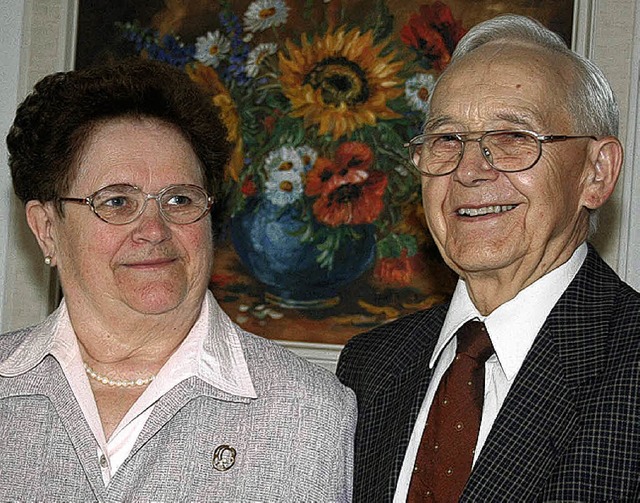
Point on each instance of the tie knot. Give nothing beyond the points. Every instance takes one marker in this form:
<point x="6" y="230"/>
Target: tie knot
<point x="473" y="341"/>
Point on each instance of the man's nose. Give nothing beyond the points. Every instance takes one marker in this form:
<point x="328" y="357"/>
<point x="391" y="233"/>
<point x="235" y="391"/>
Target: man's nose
<point x="474" y="166"/>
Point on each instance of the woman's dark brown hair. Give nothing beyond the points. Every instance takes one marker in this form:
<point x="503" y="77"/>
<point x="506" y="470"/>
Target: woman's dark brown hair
<point x="54" y="122"/>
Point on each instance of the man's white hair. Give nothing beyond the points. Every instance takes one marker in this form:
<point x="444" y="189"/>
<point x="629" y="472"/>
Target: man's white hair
<point x="590" y="99"/>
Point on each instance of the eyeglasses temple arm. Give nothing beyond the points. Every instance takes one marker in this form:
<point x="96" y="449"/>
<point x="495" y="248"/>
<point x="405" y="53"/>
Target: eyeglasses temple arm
<point x="559" y="137"/>
<point x="81" y="200"/>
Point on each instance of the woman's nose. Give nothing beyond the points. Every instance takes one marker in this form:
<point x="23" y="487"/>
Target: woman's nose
<point x="151" y="225"/>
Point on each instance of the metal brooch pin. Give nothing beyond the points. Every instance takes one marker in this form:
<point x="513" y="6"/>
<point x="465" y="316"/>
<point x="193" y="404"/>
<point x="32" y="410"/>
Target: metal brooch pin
<point x="224" y="457"/>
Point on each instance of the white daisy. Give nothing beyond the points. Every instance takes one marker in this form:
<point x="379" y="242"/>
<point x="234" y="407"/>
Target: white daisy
<point x="283" y="187"/>
<point x="308" y="156"/>
<point x="257" y="56"/>
<point x="263" y="14"/>
<point x="283" y="159"/>
<point x="417" y="90"/>
<point x="401" y="170"/>
<point x="211" y="48"/>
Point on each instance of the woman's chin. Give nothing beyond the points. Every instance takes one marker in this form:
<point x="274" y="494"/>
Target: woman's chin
<point x="155" y="299"/>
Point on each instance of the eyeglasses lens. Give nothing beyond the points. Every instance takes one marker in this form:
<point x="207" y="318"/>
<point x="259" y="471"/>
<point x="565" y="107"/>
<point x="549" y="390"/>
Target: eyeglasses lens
<point x="121" y="204"/>
<point x="439" y="154"/>
<point x="182" y="204"/>
<point x="511" y="151"/>
<point x="118" y="204"/>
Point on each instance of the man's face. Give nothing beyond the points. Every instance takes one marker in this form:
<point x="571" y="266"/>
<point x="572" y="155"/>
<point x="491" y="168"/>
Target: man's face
<point x="541" y="216"/>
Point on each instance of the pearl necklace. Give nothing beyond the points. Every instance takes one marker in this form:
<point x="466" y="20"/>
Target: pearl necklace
<point x="119" y="383"/>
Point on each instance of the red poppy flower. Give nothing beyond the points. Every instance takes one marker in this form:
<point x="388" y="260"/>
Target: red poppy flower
<point x="222" y="280"/>
<point x="354" y="154"/>
<point x="316" y="179"/>
<point x="249" y="188"/>
<point x="269" y="122"/>
<point x="354" y="197"/>
<point x="433" y="33"/>
<point x="396" y="271"/>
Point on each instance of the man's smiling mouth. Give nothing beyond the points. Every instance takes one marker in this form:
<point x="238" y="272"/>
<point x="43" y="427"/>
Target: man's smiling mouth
<point x="475" y="212"/>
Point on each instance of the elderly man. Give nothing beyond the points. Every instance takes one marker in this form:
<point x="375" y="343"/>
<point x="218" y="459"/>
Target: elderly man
<point x="526" y="386"/>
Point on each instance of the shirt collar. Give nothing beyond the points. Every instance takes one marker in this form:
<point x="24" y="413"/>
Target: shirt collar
<point x="523" y="315"/>
<point x="211" y="351"/>
<point x="35" y="346"/>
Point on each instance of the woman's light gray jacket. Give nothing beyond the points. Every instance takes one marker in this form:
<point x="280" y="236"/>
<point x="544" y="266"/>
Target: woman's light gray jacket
<point x="293" y="443"/>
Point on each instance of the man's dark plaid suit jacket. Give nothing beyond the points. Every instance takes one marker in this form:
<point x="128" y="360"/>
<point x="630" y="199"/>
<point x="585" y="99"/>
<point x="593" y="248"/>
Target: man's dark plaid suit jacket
<point x="569" y="429"/>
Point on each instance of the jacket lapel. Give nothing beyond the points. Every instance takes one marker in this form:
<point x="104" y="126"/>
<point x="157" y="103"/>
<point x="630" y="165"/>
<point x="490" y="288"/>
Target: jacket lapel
<point x="393" y="400"/>
<point x="540" y="415"/>
<point x="176" y="399"/>
<point x="536" y="422"/>
<point x="48" y="381"/>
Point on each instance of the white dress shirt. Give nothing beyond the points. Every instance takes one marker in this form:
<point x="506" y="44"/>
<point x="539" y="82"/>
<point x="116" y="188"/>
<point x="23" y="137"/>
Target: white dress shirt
<point x="221" y="364"/>
<point x="512" y="328"/>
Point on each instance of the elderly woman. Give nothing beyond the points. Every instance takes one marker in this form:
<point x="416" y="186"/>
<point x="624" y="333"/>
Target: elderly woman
<point x="139" y="387"/>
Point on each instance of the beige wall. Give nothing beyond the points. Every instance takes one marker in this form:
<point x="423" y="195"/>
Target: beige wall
<point x="611" y="49"/>
<point x="45" y="41"/>
<point x="604" y="31"/>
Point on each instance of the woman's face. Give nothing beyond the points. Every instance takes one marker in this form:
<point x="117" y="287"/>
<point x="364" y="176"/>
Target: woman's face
<point x="150" y="266"/>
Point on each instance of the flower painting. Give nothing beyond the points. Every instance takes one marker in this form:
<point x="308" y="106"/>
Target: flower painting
<point x="325" y="236"/>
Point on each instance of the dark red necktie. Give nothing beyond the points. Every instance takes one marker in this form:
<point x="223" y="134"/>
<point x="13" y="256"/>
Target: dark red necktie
<point x="445" y="456"/>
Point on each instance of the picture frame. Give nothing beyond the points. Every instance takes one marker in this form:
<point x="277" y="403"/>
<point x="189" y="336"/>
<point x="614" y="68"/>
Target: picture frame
<point x="399" y="274"/>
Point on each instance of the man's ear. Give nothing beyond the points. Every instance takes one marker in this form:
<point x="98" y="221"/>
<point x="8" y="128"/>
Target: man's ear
<point x="41" y="218"/>
<point x="604" y="161"/>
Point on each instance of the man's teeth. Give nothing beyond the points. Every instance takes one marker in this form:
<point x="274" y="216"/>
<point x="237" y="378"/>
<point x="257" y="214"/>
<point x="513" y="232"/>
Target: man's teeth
<point x="474" y="212"/>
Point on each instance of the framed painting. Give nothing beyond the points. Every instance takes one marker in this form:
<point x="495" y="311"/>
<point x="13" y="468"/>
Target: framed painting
<point x="325" y="236"/>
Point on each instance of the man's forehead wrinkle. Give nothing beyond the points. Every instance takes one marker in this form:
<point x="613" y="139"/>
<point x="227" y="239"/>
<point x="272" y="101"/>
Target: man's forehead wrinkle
<point x="439" y="121"/>
<point x="520" y="118"/>
<point x="524" y="118"/>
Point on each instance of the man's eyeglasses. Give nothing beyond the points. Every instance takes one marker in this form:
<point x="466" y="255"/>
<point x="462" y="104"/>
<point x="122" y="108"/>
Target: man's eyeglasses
<point x="510" y="151"/>
<point x="121" y="204"/>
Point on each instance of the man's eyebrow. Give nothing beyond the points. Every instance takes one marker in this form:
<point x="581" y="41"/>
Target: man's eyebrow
<point x="437" y="122"/>
<point x="522" y="119"/>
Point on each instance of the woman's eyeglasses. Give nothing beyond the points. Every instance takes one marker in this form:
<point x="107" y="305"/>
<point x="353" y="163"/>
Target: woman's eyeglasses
<point x="121" y="204"/>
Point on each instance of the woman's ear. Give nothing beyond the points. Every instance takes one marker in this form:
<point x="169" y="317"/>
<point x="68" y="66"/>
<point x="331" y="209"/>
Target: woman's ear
<point x="41" y="218"/>
<point x="603" y="168"/>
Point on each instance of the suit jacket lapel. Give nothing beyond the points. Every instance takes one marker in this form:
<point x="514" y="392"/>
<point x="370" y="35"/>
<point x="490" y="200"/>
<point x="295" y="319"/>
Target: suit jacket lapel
<point x="540" y="415"/>
<point x="394" y="401"/>
<point x="536" y="422"/>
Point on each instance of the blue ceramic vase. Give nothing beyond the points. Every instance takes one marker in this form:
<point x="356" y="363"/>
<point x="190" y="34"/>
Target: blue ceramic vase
<point x="264" y="237"/>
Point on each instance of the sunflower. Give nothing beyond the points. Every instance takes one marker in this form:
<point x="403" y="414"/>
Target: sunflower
<point x="208" y="80"/>
<point x="340" y="82"/>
